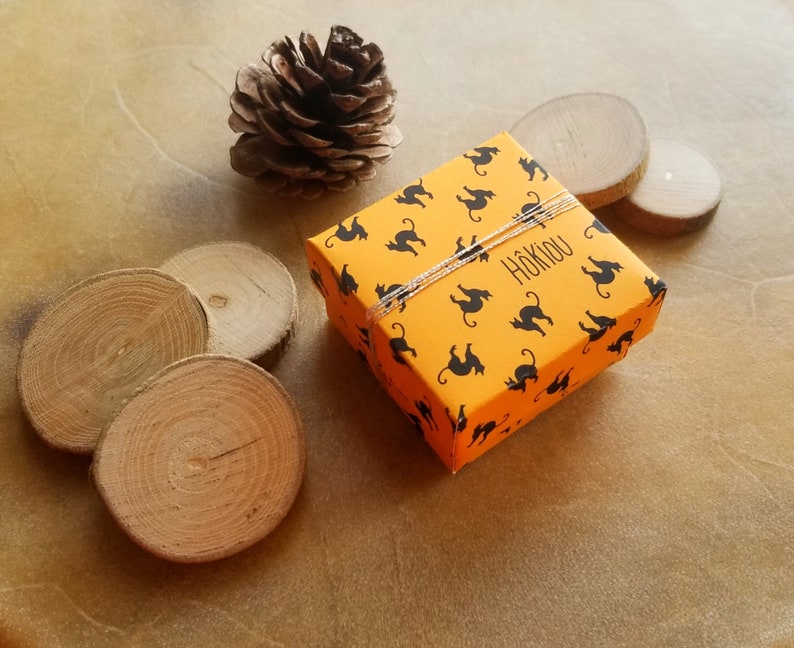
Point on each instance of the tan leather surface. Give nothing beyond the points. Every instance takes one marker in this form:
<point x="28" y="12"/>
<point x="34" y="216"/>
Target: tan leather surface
<point x="653" y="507"/>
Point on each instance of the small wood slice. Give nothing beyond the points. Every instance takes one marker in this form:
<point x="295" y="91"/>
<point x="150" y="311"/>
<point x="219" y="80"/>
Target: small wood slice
<point x="678" y="194"/>
<point x="204" y="461"/>
<point x="97" y="343"/>
<point x="249" y="295"/>
<point x="595" y="145"/>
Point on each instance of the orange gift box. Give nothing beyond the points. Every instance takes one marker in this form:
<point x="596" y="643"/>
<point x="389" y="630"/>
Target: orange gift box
<point x="482" y="294"/>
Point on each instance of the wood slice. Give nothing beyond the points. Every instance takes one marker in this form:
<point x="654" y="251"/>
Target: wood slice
<point x="204" y="461"/>
<point x="595" y="145"/>
<point x="97" y="343"/>
<point x="678" y="194"/>
<point x="249" y="295"/>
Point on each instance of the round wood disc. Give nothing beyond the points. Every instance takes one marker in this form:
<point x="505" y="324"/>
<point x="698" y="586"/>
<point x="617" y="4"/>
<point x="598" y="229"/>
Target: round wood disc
<point x="249" y="295"/>
<point x="97" y="343"/>
<point x="204" y="461"/>
<point x="595" y="145"/>
<point x="678" y="194"/>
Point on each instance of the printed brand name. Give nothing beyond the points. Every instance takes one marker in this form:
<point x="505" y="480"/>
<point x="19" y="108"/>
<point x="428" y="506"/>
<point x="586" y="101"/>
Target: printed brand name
<point x="526" y="263"/>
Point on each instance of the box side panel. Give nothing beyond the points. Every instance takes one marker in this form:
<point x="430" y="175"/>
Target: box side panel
<point x="536" y="388"/>
<point x="339" y="288"/>
<point x="343" y="278"/>
<point x="393" y="360"/>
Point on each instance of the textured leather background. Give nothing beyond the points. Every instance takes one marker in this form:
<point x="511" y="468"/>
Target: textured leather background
<point x="651" y="508"/>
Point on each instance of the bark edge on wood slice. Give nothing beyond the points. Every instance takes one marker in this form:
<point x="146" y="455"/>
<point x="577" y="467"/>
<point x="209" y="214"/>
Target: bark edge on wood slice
<point x="205" y="460"/>
<point x="595" y="144"/>
<point x="249" y="296"/>
<point x="679" y="193"/>
<point x="96" y="343"/>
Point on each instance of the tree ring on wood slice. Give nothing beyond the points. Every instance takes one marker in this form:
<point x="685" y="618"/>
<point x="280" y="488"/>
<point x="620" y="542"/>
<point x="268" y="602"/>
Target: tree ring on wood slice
<point x="249" y="296"/>
<point x="204" y="461"/>
<point x="96" y="343"/>
<point x="594" y="144"/>
<point x="678" y="194"/>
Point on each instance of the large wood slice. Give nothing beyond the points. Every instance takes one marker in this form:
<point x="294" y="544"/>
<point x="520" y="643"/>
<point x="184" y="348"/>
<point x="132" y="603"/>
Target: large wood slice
<point x="249" y="296"/>
<point x="204" y="461"/>
<point x="594" y="144"/>
<point x="97" y="343"/>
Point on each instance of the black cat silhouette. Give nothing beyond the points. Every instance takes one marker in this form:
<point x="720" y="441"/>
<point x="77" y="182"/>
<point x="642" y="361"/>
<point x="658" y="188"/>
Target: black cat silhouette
<point x="604" y="275"/>
<point x="363" y="333"/>
<point x="404" y="238"/>
<point x="531" y="212"/>
<point x="317" y="278"/>
<point x="410" y="195"/>
<point x="479" y="200"/>
<point x="523" y="373"/>
<point x="561" y="383"/>
<point x="528" y="314"/>
<point x="484" y="155"/>
<point x="602" y="322"/>
<point x="598" y="226"/>
<point x="627" y="337"/>
<point x="459" y="423"/>
<point x="426" y="412"/>
<point x="363" y="347"/>
<point x="484" y="429"/>
<point x="399" y="345"/>
<point x="395" y="294"/>
<point x="362" y="355"/>
<point x="657" y="288"/>
<point x="475" y="300"/>
<point x="344" y="282"/>
<point x="531" y="167"/>
<point x="356" y="231"/>
<point x="461" y="367"/>
<point x="416" y="422"/>
<point x="475" y="250"/>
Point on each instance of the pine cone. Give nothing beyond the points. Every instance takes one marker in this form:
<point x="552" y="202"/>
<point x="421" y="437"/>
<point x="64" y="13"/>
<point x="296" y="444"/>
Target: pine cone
<point x="310" y="120"/>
